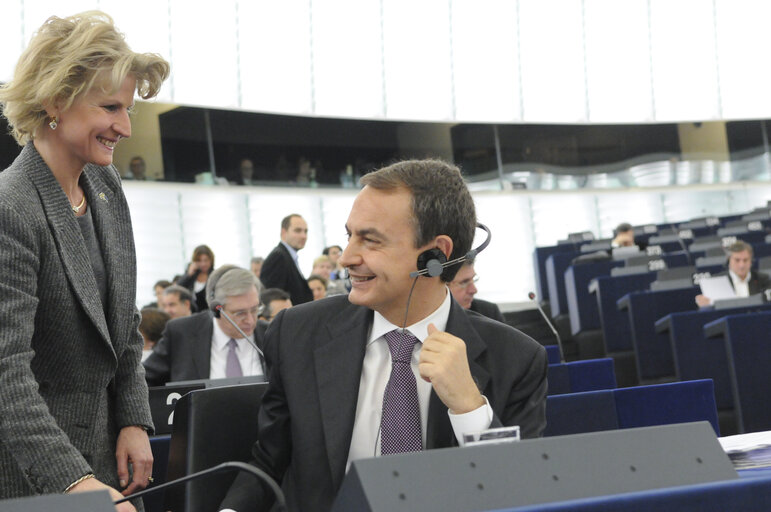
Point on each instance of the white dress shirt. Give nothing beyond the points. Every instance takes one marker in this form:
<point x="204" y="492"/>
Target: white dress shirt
<point x="247" y="355"/>
<point x="375" y="372"/>
<point x="741" y="287"/>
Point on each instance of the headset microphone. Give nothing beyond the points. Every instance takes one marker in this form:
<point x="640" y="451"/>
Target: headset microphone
<point x="431" y="263"/>
<point x="531" y="296"/>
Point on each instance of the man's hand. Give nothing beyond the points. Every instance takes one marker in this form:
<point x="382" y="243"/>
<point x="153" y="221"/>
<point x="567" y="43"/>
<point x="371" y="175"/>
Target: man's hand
<point x="703" y="300"/>
<point x="444" y="364"/>
<point x="134" y="447"/>
<point x="92" y="484"/>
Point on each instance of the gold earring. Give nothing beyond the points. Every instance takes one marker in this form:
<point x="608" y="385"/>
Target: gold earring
<point x="54" y="123"/>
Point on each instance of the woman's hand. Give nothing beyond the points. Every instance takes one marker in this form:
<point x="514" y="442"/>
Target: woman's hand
<point x="92" y="484"/>
<point x="134" y="447"/>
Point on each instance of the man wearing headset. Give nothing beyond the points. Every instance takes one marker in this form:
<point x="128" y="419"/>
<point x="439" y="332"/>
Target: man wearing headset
<point x="207" y="345"/>
<point x="331" y="365"/>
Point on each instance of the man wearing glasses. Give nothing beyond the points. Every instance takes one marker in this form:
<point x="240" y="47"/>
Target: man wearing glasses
<point x="463" y="289"/>
<point x="207" y="345"/>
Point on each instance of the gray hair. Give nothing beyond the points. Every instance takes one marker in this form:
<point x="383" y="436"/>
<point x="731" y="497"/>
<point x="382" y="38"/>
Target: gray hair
<point x="230" y="281"/>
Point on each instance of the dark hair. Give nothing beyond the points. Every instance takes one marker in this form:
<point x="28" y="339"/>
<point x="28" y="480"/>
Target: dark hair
<point x="152" y="324"/>
<point x="624" y="227"/>
<point x="287" y="221"/>
<point x="740" y="246"/>
<point x="163" y="283"/>
<point x="184" y="293"/>
<point x="441" y="202"/>
<point x="325" y="252"/>
<point x="321" y="279"/>
<point x="201" y="250"/>
<point x="267" y="296"/>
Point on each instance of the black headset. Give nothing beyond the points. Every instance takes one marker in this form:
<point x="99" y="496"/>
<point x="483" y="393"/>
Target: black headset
<point x="433" y="262"/>
<point x="211" y="288"/>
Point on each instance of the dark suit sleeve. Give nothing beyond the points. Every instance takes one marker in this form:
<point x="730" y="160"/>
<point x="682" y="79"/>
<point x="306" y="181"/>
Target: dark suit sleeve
<point x="526" y="404"/>
<point x="158" y="365"/>
<point x="272" y="452"/>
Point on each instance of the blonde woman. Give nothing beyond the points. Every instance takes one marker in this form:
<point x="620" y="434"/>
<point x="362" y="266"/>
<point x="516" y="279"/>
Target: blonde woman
<point x="73" y="401"/>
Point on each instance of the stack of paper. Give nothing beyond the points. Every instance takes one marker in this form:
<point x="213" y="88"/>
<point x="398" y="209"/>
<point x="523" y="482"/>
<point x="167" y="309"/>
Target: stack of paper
<point x="748" y="450"/>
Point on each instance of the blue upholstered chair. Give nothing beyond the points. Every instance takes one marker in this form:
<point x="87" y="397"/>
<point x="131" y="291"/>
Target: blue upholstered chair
<point x="641" y="406"/>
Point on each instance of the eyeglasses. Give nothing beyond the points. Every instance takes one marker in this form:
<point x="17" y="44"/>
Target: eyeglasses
<point x="242" y="314"/>
<point x="466" y="282"/>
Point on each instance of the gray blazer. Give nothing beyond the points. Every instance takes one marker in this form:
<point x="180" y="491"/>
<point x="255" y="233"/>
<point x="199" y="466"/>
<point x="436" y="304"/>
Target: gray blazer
<point x="70" y="372"/>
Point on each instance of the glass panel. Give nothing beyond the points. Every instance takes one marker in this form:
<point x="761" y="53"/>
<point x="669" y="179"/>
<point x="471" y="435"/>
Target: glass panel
<point x="157" y="225"/>
<point x="555" y="215"/>
<point x="274" y="56"/>
<point x="11" y="39"/>
<point x="416" y="40"/>
<point x="205" y="51"/>
<point x="551" y="49"/>
<point x="485" y="60"/>
<point x="685" y="83"/>
<point x="347" y="59"/>
<point x="618" y="60"/>
<point x="511" y="247"/>
<point x="744" y="74"/>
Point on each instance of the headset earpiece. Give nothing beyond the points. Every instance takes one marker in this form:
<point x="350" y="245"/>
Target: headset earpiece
<point x="432" y="261"/>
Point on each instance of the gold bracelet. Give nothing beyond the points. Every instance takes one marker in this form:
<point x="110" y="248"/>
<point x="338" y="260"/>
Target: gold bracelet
<point x="76" y="482"/>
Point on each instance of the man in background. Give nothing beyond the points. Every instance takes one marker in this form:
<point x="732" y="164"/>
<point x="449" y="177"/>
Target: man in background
<point x="274" y="300"/>
<point x="177" y="301"/>
<point x="464" y="289"/>
<point x="743" y="279"/>
<point x="206" y="345"/>
<point x="281" y="268"/>
<point x="256" y="265"/>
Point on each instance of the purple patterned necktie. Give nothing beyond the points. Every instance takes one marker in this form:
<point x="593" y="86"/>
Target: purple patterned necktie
<point x="233" y="366"/>
<point x="400" y="425"/>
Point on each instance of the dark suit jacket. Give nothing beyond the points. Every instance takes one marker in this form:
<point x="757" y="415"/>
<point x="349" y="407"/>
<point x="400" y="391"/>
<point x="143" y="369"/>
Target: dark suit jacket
<point x="488" y="309"/>
<point x="70" y="376"/>
<point x="184" y="350"/>
<point x="316" y="352"/>
<point x="759" y="282"/>
<point x="279" y="271"/>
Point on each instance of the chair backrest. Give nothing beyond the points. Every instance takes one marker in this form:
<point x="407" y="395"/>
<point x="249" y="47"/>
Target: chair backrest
<point x="579" y="376"/>
<point x="552" y="354"/>
<point x="641" y="406"/>
<point x="211" y="426"/>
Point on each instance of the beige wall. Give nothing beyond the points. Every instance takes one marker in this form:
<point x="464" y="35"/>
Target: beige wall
<point x="703" y="141"/>
<point x="145" y="140"/>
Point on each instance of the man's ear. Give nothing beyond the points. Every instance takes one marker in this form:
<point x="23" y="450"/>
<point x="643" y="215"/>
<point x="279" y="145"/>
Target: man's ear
<point x="444" y="244"/>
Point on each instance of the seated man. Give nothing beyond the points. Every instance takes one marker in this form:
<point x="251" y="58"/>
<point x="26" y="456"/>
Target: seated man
<point x="274" y="300"/>
<point x="624" y="236"/>
<point x="743" y="279"/>
<point x="463" y="290"/>
<point x="333" y="361"/>
<point x="177" y="301"/>
<point x="206" y="345"/>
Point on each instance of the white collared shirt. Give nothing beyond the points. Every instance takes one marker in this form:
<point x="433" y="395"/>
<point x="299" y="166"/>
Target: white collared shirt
<point x="247" y="355"/>
<point x="741" y="288"/>
<point x="375" y="372"/>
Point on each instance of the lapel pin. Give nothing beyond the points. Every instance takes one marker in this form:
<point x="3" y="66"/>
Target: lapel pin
<point x="103" y="197"/>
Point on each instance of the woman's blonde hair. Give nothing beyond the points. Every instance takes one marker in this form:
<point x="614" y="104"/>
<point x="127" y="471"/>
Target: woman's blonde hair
<point x="64" y="59"/>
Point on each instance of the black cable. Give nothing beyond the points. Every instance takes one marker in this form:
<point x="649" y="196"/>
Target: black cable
<point x="225" y="466"/>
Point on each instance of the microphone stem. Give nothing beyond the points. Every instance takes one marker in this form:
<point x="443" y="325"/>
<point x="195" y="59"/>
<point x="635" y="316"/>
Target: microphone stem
<point x="242" y="333"/>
